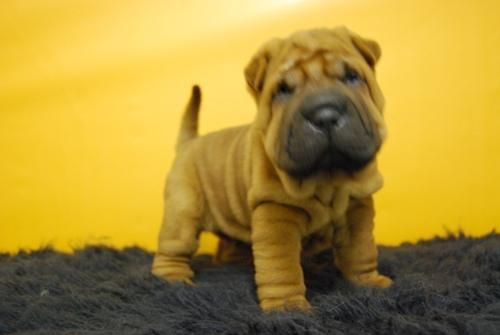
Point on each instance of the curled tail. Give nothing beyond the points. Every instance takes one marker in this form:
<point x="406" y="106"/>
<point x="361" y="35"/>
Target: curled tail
<point x="189" y="124"/>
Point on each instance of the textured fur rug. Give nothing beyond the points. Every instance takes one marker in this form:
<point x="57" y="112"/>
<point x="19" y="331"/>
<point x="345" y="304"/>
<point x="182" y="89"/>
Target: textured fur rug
<point x="442" y="286"/>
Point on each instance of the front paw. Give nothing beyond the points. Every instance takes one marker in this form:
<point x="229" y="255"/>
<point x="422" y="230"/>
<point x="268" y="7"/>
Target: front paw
<point x="172" y="269"/>
<point x="294" y="303"/>
<point x="371" y="279"/>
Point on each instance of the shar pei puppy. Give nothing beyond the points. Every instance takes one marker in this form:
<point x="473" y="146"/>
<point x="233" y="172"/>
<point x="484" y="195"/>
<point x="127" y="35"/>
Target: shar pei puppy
<point x="305" y="167"/>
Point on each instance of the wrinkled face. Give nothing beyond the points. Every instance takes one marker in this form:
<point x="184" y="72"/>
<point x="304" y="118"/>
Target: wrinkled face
<point x="322" y="103"/>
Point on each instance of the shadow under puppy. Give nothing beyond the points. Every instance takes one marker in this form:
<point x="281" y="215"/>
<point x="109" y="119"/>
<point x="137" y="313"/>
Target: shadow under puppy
<point x="306" y="166"/>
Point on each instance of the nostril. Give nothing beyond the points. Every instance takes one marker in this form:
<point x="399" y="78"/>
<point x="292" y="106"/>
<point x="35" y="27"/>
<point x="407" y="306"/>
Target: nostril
<point x="324" y="117"/>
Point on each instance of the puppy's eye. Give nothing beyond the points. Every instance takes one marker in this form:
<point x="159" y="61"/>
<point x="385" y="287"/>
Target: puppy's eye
<point x="283" y="90"/>
<point x="352" y="78"/>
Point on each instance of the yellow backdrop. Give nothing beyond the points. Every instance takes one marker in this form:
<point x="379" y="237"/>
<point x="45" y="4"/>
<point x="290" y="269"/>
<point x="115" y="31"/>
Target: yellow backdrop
<point x="91" y="94"/>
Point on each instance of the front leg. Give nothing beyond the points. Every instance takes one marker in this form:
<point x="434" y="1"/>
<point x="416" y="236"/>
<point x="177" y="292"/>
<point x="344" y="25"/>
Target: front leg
<point x="355" y="250"/>
<point x="276" y="245"/>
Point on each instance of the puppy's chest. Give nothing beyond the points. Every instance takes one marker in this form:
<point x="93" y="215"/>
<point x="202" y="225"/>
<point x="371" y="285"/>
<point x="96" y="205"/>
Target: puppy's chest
<point x="328" y="206"/>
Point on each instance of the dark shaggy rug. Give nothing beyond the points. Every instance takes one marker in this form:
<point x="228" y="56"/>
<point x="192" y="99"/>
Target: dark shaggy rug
<point x="442" y="286"/>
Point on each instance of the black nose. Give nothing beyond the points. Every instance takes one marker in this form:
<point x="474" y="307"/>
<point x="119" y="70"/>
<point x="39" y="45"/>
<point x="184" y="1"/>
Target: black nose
<point x="324" y="117"/>
<point x="324" y="109"/>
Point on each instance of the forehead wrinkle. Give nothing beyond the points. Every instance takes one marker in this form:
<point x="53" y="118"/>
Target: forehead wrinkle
<point x="304" y="62"/>
<point x="313" y="67"/>
<point x="301" y="49"/>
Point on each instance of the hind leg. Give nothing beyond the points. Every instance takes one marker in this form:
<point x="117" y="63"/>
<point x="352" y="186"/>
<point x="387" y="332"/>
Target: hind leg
<point x="178" y="239"/>
<point x="230" y="251"/>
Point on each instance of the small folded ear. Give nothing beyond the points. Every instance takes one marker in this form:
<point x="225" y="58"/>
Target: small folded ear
<point x="256" y="70"/>
<point x="369" y="49"/>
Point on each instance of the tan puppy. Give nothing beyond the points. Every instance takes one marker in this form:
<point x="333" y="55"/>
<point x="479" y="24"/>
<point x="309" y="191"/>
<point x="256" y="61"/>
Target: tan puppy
<point x="305" y="166"/>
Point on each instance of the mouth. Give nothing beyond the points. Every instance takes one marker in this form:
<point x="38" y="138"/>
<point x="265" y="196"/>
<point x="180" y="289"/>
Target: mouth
<point x="330" y="159"/>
